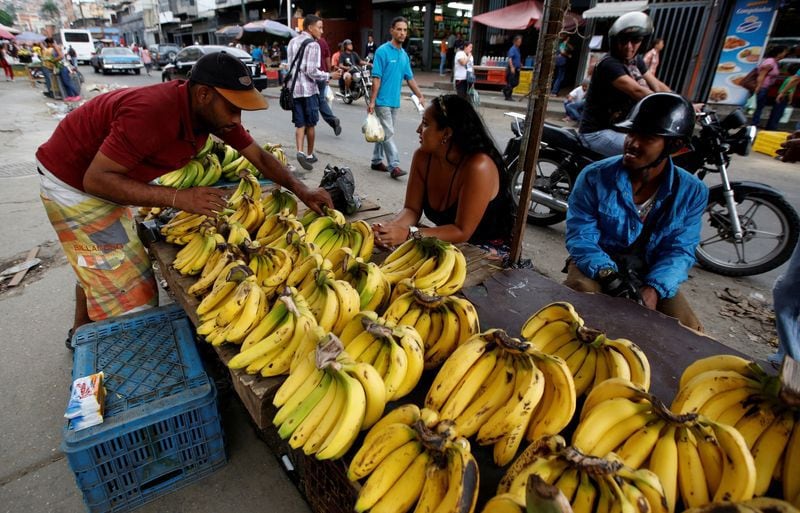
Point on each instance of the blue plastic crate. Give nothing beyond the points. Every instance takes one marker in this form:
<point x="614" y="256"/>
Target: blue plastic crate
<point x="161" y="427"/>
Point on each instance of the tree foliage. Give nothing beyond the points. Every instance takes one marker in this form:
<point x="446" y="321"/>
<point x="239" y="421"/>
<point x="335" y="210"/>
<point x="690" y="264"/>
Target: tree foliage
<point x="6" y="18"/>
<point x="51" y="11"/>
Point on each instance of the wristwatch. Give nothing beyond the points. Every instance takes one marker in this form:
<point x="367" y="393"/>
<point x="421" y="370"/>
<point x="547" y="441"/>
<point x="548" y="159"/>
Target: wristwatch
<point x="414" y="232"/>
<point x="605" y="272"/>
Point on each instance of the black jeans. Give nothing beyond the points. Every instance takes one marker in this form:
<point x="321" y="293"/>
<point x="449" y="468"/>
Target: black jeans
<point x="512" y="81"/>
<point x="461" y="89"/>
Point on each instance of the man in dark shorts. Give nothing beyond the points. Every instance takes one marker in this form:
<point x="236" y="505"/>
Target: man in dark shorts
<point x="619" y="80"/>
<point x="305" y="114"/>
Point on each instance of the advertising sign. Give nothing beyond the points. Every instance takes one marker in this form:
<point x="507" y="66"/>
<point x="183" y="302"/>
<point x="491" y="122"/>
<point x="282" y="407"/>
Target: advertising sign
<point x="742" y="49"/>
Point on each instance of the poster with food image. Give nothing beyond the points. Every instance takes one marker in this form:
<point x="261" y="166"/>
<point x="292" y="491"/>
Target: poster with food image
<point x="742" y="50"/>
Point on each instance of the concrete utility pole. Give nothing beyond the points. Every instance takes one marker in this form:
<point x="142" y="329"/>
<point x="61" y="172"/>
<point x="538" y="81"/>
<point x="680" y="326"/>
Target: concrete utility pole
<point x="552" y="23"/>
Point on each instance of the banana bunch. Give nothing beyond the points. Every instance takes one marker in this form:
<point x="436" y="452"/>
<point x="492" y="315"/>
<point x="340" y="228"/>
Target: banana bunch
<point x="296" y="245"/>
<point x="279" y="200"/>
<point x="271" y="267"/>
<point x="333" y="302"/>
<point x="222" y="289"/>
<point x="696" y="459"/>
<point x="396" y="352"/>
<point x="327" y="399"/>
<point x="408" y="458"/>
<point x="590" y="484"/>
<point x="181" y="228"/>
<point x="238" y="167"/>
<point x="591" y="357"/>
<point x="226" y="154"/>
<point x="275" y="228"/>
<point x="249" y="213"/>
<point x="503" y="390"/>
<point x="219" y="263"/>
<point x="304" y="271"/>
<point x="237" y="233"/>
<point x="757" y="505"/>
<point x="372" y="286"/>
<point x="276" y="150"/>
<point x="443" y="322"/>
<point x="738" y="392"/>
<point x="328" y="235"/>
<point x="436" y="266"/>
<point x="240" y="312"/>
<point x="248" y="186"/>
<point x="309" y="216"/>
<point x="283" y="337"/>
<point x="192" y="258"/>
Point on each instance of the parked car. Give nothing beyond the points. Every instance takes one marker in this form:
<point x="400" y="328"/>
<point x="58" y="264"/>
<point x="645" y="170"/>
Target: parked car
<point x="163" y="54"/>
<point x="182" y="65"/>
<point x="109" y="60"/>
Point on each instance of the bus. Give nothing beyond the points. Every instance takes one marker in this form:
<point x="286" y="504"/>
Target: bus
<point x="81" y="41"/>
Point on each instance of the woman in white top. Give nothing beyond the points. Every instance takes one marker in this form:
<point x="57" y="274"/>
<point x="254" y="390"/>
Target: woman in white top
<point x="463" y="63"/>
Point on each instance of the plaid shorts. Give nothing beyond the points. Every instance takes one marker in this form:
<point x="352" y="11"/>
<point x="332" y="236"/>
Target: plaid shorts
<point x="100" y="241"/>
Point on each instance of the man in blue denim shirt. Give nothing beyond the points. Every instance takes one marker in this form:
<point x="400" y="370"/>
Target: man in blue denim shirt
<point x="618" y="198"/>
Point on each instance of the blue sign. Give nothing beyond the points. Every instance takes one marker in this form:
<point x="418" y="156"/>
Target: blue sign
<point x="742" y="50"/>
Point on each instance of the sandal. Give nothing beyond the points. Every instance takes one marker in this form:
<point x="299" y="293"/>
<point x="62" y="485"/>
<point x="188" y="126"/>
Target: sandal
<point x="68" y="342"/>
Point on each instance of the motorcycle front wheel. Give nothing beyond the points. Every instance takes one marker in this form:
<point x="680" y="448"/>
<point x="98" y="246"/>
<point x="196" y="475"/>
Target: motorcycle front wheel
<point x="551" y="178"/>
<point x="770" y="229"/>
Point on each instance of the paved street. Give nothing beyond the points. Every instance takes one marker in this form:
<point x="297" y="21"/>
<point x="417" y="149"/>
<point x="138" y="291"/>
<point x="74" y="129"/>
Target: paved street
<point x="35" y="367"/>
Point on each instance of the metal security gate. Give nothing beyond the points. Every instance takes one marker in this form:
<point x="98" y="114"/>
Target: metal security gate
<point x="682" y="25"/>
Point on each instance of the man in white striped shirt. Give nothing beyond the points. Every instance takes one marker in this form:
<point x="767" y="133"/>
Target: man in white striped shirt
<point x="305" y="114"/>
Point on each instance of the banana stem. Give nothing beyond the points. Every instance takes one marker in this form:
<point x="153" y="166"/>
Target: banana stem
<point x="590" y="464"/>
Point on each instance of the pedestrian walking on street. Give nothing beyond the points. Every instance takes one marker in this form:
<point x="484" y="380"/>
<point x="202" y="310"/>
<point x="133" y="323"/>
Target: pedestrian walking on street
<point x="324" y="107"/>
<point x="369" y="48"/>
<point x="5" y="62"/>
<point x="784" y="96"/>
<point x="306" y="75"/>
<point x="105" y="156"/>
<point x="463" y="65"/>
<point x="442" y="56"/>
<point x="768" y="72"/>
<point x="563" y="54"/>
<point x="147" y="60"/>
<point x="513" y="65"/>
<point x="391" y="67"/>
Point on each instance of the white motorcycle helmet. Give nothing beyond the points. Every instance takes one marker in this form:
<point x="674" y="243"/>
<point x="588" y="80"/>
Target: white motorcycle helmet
<point x="632" y="25"/>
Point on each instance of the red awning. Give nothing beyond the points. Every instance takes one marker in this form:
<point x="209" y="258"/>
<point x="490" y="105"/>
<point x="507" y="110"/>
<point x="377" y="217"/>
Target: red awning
<point x="521" y="16"/>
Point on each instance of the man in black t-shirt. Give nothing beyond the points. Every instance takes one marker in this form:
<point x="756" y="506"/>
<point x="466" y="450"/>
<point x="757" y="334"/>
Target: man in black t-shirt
<point x="619" y="81"/>
<point x="348" y="58"/>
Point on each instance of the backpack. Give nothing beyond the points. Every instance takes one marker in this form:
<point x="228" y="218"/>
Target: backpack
<point x="286" y="99"/>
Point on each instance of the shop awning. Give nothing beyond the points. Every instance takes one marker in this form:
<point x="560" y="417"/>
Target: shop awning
<point x="522" y="15"/>
<point x="615" y="9"/>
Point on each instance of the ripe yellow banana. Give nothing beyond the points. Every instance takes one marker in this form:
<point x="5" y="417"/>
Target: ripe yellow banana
<point x="638" y="364"/>
<point x="378" y="445"/>
<point x="558" y="402"/>
<point x="402" y="495"/>
<point x="453" y="370"/>
<point x="602" y="418"/>
<point x="691" y="477"/>
<point x="351" y="420"/>
<point x="559" y="311"/>
<point x="706" y="385"/>
<point x="314" y="417"/>
<point x="637" y="448"/>
<point x="370" y="382"/>
<point x="738" y="469"/>
<point x="719" y="362"/>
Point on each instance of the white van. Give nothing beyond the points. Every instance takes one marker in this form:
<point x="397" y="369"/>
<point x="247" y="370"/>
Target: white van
<point x="81" y="41"/>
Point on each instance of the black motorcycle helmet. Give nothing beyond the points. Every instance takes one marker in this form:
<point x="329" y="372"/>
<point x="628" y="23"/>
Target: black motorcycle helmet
<point x="666" y="114"/>
<point x="632" y="25"/>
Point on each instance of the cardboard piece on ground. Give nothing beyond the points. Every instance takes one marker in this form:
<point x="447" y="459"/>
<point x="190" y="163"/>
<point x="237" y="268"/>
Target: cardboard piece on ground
<point x="17" y="279"/>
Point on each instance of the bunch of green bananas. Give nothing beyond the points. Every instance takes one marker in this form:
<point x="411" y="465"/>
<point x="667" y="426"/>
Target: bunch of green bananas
<point x="394" y="351"/>
<point x="199" y="172"/>
<point x="333" y="302"/>
<point x="225" y="154"/>
<point x="592" y="357"/>
<point x="274" y="229"/>
<point x="590" y="484"/>
<point x="240" y="310"/>
<point x="436" y="267"/>
<point x="738" y="392"/>
<point x="181" y="228"/>
<point x="327" y="399"/>
<point x="271" y="267"/>
<point x="366" y="277"/>
<point x="443" y="322"/>
<point x="248" y="186"/>
<point x="410" y="458"/>
<point x="504" y="390"/>
<point x="696" y="459"/>
<point x="238" y="167"/>
<point x="281" y="340"/>
<point x="278" y="201"/>
<point x="191" y="259"/>
<point x="276" y="150"/>
<point x="329" y="233"/>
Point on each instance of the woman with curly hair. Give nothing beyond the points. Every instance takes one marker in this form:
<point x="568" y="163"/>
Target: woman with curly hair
<point x="458" y="180"/>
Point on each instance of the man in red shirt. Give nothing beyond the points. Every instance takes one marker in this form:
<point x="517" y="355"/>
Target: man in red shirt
<point x="102" y="156"/>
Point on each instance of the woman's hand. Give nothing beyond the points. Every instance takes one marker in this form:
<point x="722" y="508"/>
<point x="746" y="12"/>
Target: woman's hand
<point x="389" y="235"/>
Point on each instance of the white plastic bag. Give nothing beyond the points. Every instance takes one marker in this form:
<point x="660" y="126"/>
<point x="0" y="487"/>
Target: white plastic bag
<point x="328" y="95"/>
<point x="372" y="128"/>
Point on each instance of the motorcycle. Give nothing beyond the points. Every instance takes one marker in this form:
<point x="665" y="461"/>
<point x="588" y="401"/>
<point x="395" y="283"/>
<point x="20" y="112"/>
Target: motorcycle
<point x="361" y="84"/>
<point x="748" y="228"/>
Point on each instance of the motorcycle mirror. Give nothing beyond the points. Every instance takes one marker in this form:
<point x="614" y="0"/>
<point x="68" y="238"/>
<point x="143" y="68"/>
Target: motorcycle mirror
<point x="734" y="120"/>
<point x="347" y="61"/>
